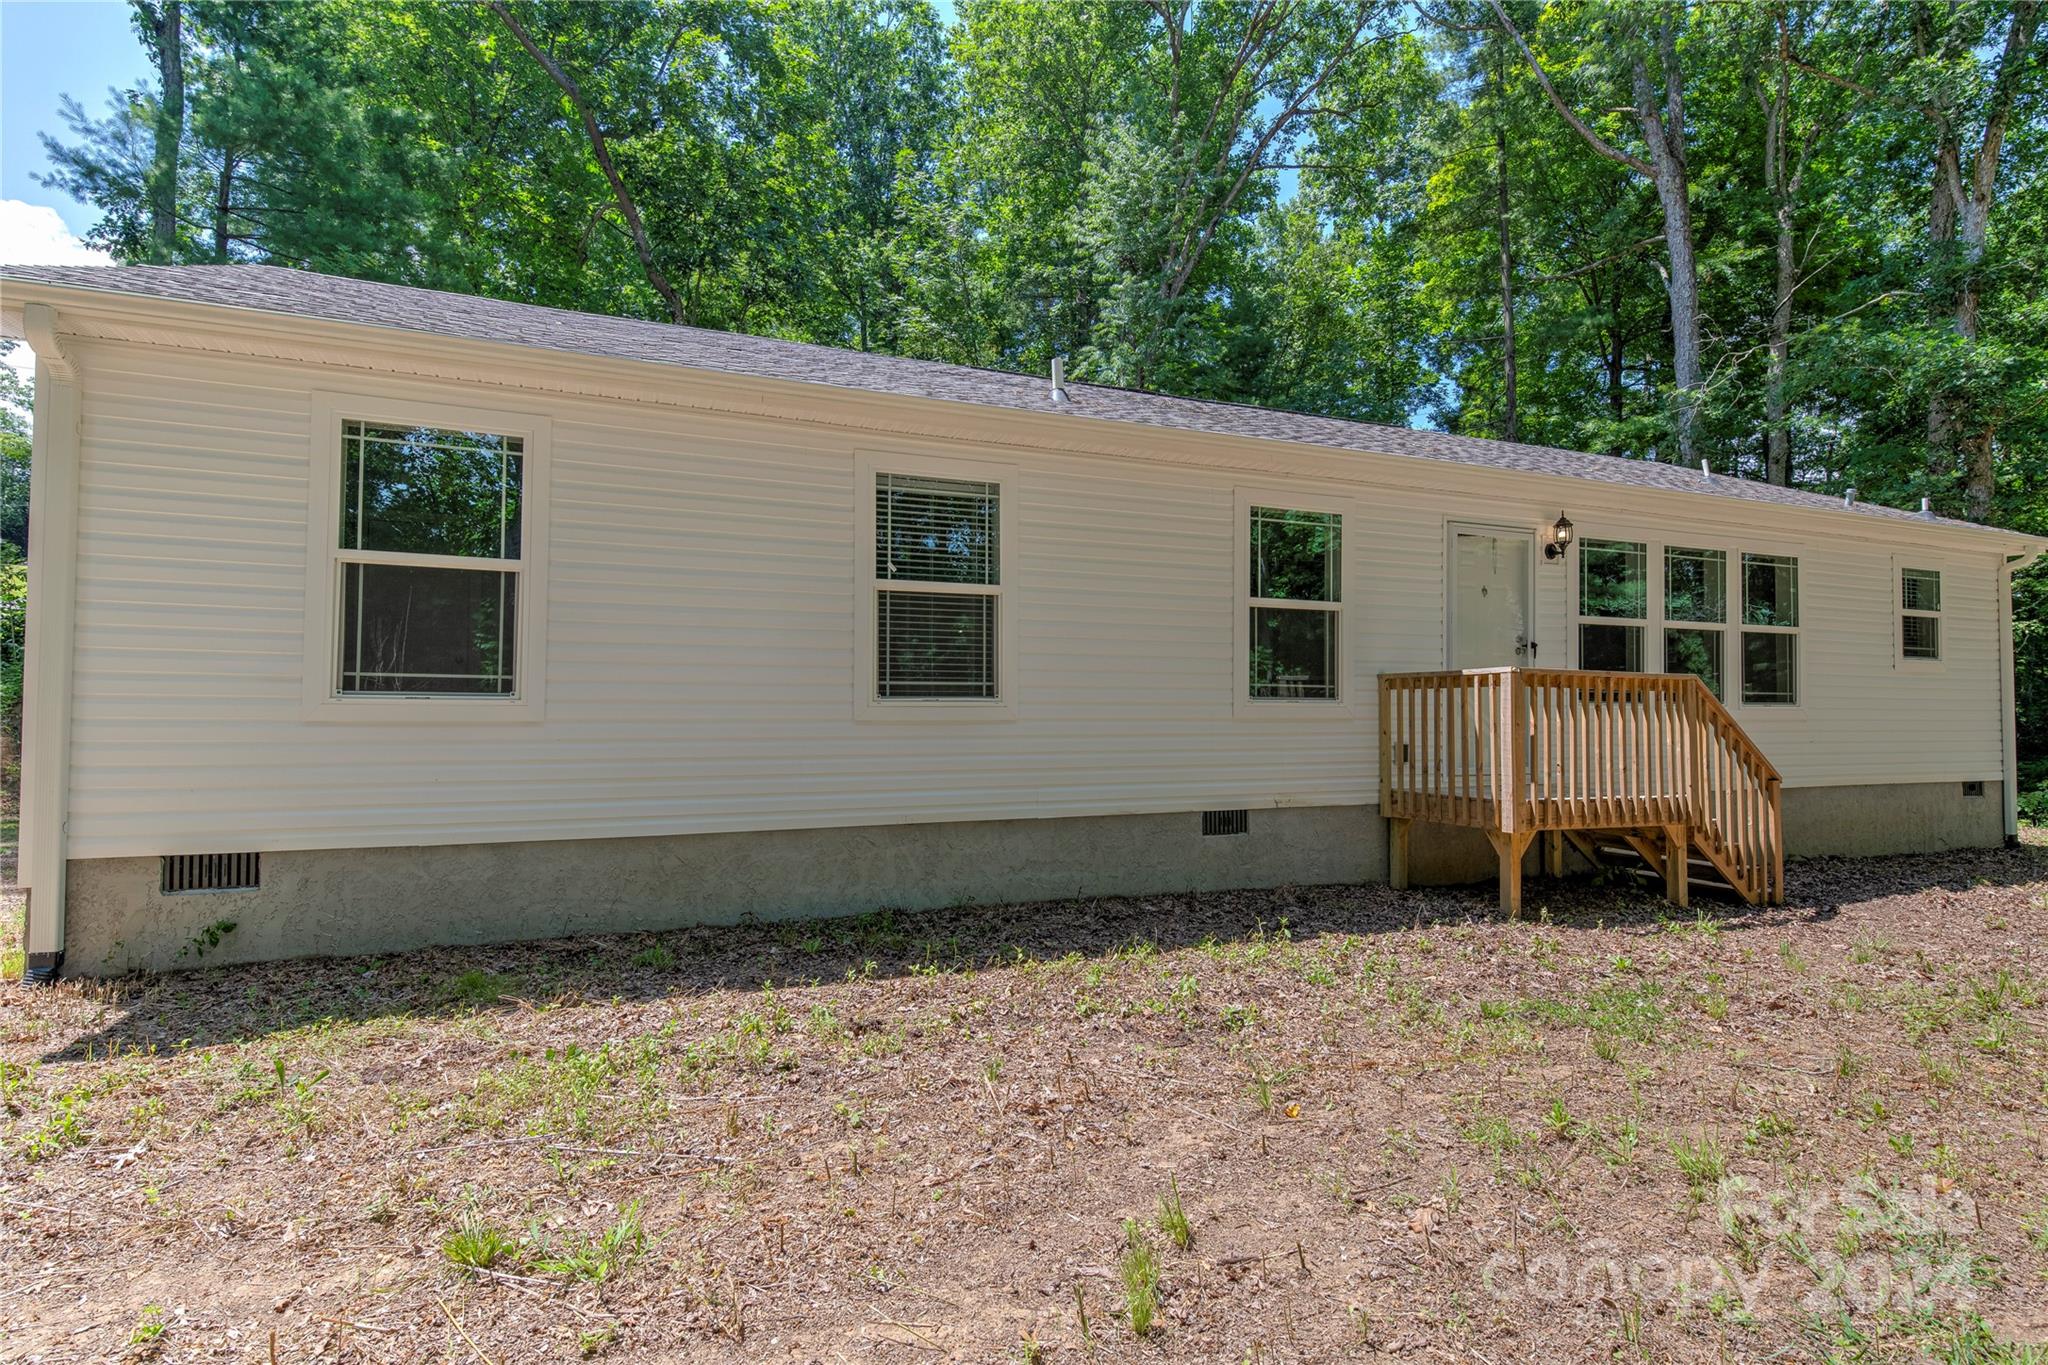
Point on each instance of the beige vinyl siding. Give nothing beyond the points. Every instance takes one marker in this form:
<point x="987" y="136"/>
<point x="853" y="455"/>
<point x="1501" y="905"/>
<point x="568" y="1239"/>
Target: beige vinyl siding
<point x="701" y="607"/>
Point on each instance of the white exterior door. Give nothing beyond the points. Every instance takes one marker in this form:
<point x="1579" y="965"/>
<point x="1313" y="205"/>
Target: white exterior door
<point x="1489" y="626"/>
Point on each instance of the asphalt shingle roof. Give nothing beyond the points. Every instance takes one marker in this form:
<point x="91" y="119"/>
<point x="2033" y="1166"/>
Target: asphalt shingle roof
<point x="298" y="293"/>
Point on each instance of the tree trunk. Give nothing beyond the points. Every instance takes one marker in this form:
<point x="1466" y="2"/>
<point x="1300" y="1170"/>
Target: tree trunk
<point x="1665" y="134"/>
<point x="1777" y="432"/>
<point x="165" y="26"/>
<point x="1510" y="429"/>
<point x="223" y="202"/>
<point x="1958" y="223"/>
<point x="601" y="149"/>
<point x="1664" y="131"/>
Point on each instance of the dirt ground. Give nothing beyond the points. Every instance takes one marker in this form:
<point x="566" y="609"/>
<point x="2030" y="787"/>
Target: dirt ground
<point x="1395" y="1126"/>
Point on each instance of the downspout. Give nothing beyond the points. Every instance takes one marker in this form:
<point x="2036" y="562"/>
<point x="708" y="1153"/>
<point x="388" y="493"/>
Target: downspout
<point x="46" y="672"/>
<point x="2008" y="711"/>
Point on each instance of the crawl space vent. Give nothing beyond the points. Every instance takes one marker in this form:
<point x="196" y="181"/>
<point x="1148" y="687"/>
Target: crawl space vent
<point x="212" y="872"/>
<point x="1225" y="822"/>
<point x="1973" y="789"/>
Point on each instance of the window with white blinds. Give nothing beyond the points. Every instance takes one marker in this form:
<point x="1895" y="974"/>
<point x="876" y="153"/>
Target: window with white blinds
<point x="1920" y="615"/>
<point x="938" y="588"/>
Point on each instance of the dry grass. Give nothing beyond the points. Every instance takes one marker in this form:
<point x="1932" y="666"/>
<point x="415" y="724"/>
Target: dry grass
<point x="1387" y="1125"/>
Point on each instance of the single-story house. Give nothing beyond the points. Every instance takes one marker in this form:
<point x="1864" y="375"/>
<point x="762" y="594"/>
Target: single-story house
<point x="366" y="617"/>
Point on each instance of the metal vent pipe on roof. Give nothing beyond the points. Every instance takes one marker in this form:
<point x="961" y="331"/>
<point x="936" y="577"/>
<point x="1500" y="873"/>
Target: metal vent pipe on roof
<point x="1059" y="380"/>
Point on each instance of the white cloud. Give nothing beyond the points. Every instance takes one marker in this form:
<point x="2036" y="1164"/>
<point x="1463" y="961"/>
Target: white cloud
<point x="33" y="234"/>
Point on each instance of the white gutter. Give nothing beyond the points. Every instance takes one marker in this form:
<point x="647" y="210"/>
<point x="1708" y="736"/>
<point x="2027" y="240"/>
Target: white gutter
<point x="2008" y="711"/>
<point x="46" y="673"/>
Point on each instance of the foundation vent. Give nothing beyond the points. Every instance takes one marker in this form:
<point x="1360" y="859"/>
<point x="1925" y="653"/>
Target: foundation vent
<point x="1973" y="789"/>
<point x="212" y="872"/>
<point x="1226" y="822"/>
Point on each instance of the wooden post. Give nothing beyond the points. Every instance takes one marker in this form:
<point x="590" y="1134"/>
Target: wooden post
<point x="1553" y="853"/>
<point x="1775" y="893"/>
<point x="1511" y="848"/>
<point x="1507" y="754"/>
<point x="1386" y="745"/>
<point x="1397" y="854"/>
<point x="1677" y="849"/>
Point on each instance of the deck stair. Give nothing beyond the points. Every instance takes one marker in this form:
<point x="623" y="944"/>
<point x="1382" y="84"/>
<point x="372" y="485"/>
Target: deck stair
<point x="1643" y="772"/>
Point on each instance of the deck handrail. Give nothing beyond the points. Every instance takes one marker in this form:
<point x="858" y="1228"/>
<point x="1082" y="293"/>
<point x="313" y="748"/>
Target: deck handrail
<point x="1520" y="751"/>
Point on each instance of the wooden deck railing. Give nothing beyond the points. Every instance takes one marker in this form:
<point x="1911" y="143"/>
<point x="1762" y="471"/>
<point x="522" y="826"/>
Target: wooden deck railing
<point x="1519" y="751"/>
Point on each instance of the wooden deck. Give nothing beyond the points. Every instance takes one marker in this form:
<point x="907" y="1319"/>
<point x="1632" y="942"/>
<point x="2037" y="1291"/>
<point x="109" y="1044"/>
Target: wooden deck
<point x="1651" y="764"/>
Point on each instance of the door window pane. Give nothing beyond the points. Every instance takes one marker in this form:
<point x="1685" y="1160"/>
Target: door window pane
<point x="1612" y="649"/>
<point x="425" y="490"/>
<point x="427" y="632"/>
<point x="1770" y="590"/>
<point x="1769" y="675"/>
<point x="1612" y="579"/>
<point x="1697" y="652"/>
<point x="1695" y="584"/>
<point x="1294" y="653"/>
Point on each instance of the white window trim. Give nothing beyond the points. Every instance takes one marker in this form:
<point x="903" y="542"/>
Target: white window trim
<point x="868" y="466"/>
<point x="1346" y="703"/>
<point x="321" y="701"/>
<point x="1731" y="626"/>
<point x="1922" y="564"/>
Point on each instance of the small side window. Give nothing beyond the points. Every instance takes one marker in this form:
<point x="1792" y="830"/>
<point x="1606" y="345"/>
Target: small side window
<point x="1920" y="615"/>
<point x="1294" y="612"/>
<point x="1770" y="630"/>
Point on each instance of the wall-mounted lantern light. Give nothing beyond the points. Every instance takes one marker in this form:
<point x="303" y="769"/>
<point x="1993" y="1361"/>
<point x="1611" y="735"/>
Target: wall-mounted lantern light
<point x="1558" y="537"/>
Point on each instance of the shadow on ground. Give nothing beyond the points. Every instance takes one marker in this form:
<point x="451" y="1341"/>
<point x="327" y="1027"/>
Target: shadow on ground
<point x="242" y="1004"/>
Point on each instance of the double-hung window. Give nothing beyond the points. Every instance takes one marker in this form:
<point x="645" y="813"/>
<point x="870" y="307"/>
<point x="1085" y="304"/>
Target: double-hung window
<point x="1920" y="615"/>
<point x="1294" y="604"/>
<point x="423" y="566"/>
<point x="1614" y="604"/>
<point x="1695" y="613"/>
<point x="1770" y="630"/>
<point x="936" y="628"/>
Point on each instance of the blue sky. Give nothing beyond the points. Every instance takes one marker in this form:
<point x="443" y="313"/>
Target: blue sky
<point x="51" y="48"/>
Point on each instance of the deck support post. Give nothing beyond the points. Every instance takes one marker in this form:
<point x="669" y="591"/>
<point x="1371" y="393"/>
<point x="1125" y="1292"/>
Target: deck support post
<point x="1553" y="854"/>
<point x="1511" y="847"/>
<point x="1397" y="854"/>
<point x="1677" y="865"/>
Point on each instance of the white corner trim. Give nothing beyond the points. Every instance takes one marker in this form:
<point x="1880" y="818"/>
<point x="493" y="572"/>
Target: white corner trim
<point x="52" y="610"/>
